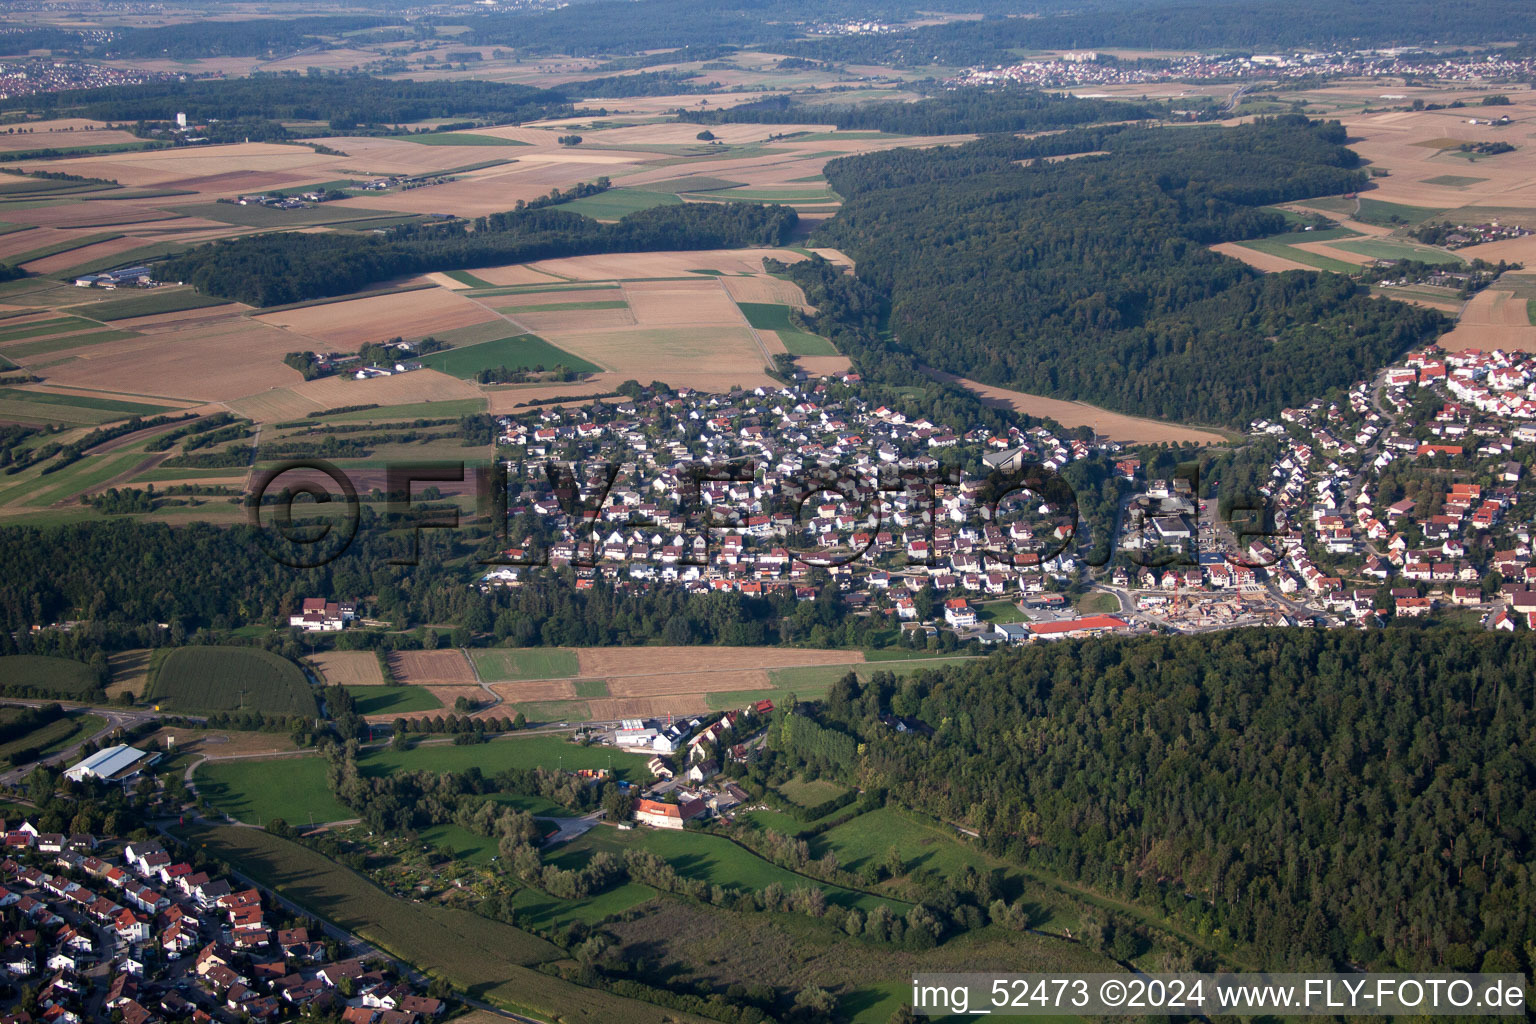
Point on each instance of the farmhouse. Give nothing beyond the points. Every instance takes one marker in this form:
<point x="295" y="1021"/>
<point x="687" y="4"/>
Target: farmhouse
<point x="317" y="615"/>
<point x="113" y="764"/>
<point x="662" y="815"/>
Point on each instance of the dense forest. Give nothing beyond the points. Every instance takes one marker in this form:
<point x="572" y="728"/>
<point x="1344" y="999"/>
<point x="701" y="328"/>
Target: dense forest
<point x="344" y="99"/>
<point x="125" y="577"/>
<point x="957" y="112"/>
<point x="272" y="269"/>
<point x="1331" y="798"/>
<point x="991" y="258"/>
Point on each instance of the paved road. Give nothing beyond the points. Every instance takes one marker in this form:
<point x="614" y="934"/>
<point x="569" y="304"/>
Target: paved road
<point x="117" y="718"/>
<point x="570" y="828"/>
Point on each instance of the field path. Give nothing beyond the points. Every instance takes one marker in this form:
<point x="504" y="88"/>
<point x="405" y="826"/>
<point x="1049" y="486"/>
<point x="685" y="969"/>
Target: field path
<point x="475" y="670"/>
<point x="756" y="338"/>
<point x="521" y="327"/>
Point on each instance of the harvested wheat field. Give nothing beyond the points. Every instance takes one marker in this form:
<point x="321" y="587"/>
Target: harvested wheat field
<point x="354" y="322"/>
<point x="515" y="274"/>
<point x="613" y="662"/>
<point x="675" y="355"/>
<point x="670" y="683"/>
<point x="439" y="668"/>
<point x="681" y="304"/>
<point x="85" y="254"/>
<point x="1258" y="260"/>
<point x="213" y="362"/>
<point x="824" y="366"/>
<point x="1116" y="426"/>
<point x="398" y="389"/>
<point x="537" y="689"/>
<point x="765" y="289"/>
<point x="1494" y="318"/>
<point x="65" y="133"/>
<point x="349" y="668"/>
<point x="498" y="189"/>
<point x="632" y="266"/>
<point x="250" y="166"/>
<point x="274" y="406"/>
<point x="179" y="319"/>
<point x="17" y="242"/>
<point x="506" y="401"/>
<point x="613" y="709"/>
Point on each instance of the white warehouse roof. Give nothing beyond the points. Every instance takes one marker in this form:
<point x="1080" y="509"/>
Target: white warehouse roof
<point x="106" y="763"/>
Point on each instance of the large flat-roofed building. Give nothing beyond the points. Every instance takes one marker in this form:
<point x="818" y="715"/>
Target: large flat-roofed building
<point x="112" y="764"/>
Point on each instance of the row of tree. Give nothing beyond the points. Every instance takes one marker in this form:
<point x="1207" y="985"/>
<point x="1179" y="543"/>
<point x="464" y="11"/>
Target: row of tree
<point x="273" y="269"/>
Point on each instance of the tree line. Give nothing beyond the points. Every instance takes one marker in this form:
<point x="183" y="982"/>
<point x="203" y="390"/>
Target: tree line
<point x="956" y="112"/>
<point x="273" y="269"/>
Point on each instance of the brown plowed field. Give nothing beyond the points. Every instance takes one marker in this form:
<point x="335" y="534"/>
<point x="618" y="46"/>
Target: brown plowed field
<point x="434" y="667"/>
<point x="350" y="668"/>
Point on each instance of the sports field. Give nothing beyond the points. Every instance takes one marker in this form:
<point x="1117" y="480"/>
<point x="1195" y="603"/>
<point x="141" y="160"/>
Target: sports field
<point x="230" y="679"/>
<point x="504" y="664"/>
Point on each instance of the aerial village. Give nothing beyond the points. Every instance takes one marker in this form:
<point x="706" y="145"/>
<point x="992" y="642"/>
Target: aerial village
<point x="767" y="490"/>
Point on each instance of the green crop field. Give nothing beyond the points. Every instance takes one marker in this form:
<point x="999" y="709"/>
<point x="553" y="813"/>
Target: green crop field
<point x="811" y="682"/>
<point x="482" y="957"/>
<point x="63" y="246"/>
<point x="393" y="700"/>
<point x="465" y="277"/>
<point x="773" y="316"/>
<point x="523" y="352"/>
<point x="60" y="677"/>
<point x="506" y="664"/>
<point x="618" y="202"/>
<point x="1454" y="180"/>
<point x="1289" y="252"/>
<point x="162" y="300"/>
<point x="55" y="736"/>
<point x="767" y="316"/>
<point x="43" y="346"/>
<point x="229" y="679"/>
<point x="38" y="328"/>
<point x="1392" y="249"/>
<point x="111" y="405"/>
